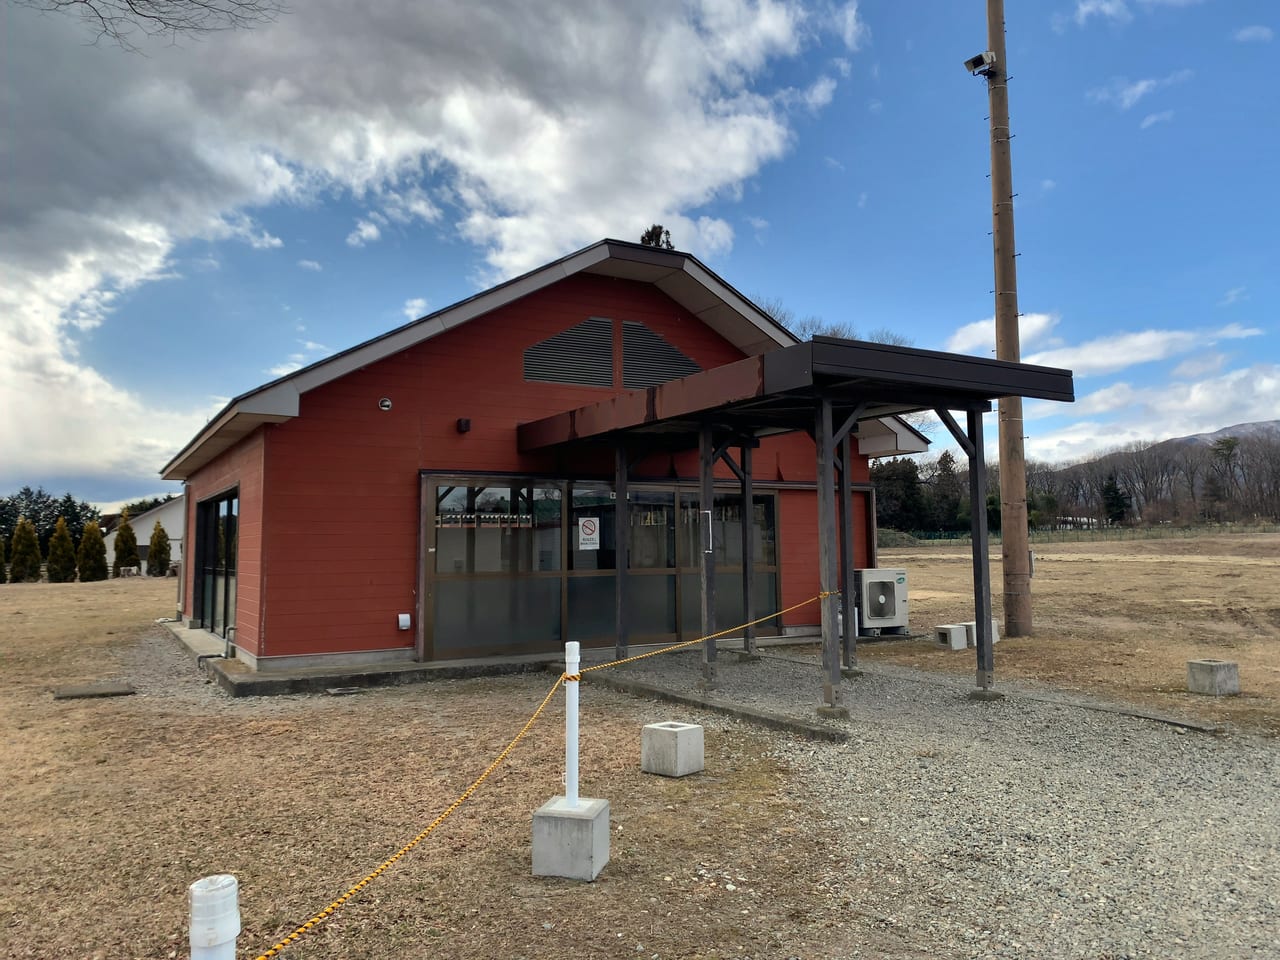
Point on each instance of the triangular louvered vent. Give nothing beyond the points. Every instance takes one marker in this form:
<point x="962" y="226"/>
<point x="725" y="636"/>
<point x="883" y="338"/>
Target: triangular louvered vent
<point x="581" y="355"/>
<point x="648" y="360"/>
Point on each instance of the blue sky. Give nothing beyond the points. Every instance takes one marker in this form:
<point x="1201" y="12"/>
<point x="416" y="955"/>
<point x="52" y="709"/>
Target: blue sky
<point x="182" y="224"/>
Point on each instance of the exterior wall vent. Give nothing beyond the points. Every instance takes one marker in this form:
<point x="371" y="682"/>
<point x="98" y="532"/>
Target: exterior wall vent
<point x="648" y="360"/>
<point x="581" y="355"/>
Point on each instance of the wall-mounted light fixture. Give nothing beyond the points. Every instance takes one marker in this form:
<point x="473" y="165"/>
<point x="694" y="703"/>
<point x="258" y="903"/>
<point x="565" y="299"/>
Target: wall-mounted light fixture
<point x="464" y="424"/>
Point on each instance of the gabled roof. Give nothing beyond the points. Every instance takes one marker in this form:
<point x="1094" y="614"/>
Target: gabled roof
<point x="681" y="276"/>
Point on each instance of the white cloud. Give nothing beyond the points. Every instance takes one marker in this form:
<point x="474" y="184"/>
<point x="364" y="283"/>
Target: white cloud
<point x="979" y="337"/>
<point x="1122" y="350"/>
<point x="291" y="365"/>
<point x="833" y="163"/>
<point x="1234" y="295"/>
<point x="1254" y="34"/>
<point x="1201" y="366"/>
<point x="875" y="106"/>
<point x="310" y="265"/>
<point x="1151" y="119"/>
<point x="478" y="124"/>
<point x="862" y="200"/>
<point x="852" y="30"/>
<point x="843" y="66"/>
<point x="1124" y="93"/>
<point x="1157" y="413"/>
<point x="414" y="308"/>
<point x="820" y="94"/>
<point x="366" y="231"/>
<point x="1047" y="185"/>
<point x="1114" y="10"/>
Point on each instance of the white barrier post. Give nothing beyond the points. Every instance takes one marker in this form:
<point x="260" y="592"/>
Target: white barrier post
<point x="215" y="917"/>
<point x="572" y="660"/>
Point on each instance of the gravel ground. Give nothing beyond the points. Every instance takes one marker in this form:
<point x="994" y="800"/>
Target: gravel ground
<point x="1020" y="828"/>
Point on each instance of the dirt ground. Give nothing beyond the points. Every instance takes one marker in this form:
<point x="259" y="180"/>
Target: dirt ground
<point x="1119" y="619"/>
<point x="115" y="806"/>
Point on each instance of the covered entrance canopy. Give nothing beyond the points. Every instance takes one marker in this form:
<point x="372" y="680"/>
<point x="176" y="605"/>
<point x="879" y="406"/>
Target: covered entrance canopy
<point x="825" y="387"/>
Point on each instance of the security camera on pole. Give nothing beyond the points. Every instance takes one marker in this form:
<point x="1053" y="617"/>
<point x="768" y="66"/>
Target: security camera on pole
<point x="993" y="65"/>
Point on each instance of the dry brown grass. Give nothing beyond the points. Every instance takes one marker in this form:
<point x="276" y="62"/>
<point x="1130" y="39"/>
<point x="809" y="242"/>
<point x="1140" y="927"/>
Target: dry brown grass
<point x="1120" y="620"/>
<point x="115" y="806"/>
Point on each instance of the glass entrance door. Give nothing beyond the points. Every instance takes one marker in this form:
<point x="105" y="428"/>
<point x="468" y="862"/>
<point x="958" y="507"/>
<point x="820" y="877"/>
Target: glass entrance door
<point x="217" y="541"/>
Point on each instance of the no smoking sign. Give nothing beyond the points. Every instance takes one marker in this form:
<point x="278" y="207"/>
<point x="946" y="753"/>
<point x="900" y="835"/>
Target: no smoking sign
<point x="589" y="533"/>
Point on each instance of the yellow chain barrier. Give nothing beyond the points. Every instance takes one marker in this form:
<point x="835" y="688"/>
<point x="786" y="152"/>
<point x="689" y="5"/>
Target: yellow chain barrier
<point x="338" y="904"/>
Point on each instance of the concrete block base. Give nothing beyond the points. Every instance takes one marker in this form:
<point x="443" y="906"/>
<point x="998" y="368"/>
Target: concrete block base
<point x="954" y="636"/>
<point x="671" y="749"/>
<point x="1216" y="678"/>
<point x="971" y="632"/>
<point x="833" y="713"/>
<point x="571" y="842"/>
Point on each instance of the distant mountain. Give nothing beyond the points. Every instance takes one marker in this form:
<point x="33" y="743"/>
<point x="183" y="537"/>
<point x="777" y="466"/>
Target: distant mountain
<point x="1262" y="428"/>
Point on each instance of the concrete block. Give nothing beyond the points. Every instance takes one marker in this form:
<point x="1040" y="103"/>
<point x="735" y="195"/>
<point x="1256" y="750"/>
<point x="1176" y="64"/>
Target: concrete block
<point x="1217" y="678"/>
<point x="952" y="635"/>
<point x="571" y="841"/>
<point x="971" y="632"/>
<point x="671" y="749"/>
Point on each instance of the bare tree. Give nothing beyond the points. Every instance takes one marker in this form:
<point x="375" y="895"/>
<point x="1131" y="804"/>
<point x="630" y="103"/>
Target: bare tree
<point x="121" y="20"/>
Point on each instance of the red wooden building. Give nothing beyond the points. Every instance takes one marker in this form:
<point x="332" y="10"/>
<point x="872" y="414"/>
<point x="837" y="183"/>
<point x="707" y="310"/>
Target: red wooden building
<point x="388" y="482"/>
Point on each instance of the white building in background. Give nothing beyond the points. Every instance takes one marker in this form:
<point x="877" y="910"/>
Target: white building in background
<point x="172" y="516"/>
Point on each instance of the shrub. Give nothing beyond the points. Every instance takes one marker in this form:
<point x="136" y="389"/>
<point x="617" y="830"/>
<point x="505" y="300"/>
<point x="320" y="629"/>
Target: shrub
<point x="25" y="566"/>
<point x="126" y="552"/>
<point x="158" y="552"/>
<point x="92" y="557"/>
<point x="62" y="554"/>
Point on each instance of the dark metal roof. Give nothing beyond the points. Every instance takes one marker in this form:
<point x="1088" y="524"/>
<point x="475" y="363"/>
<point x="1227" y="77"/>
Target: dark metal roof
<point x="775" y="393"/>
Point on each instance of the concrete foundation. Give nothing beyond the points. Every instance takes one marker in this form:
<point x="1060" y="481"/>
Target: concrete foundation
<point x="971" y="632"/>
<point x="671" y="749"/>
<point x="571" y="842"/>
<point x="952" y="635"/>
<point x="1217" y="678"/>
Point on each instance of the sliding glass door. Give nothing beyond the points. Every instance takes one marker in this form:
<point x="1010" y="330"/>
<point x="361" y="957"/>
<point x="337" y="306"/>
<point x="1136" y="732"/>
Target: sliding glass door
<point x="217" y="539"/>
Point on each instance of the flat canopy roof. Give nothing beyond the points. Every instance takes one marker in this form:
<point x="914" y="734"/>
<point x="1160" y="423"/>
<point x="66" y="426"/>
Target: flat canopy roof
<point x="776" y="392"/>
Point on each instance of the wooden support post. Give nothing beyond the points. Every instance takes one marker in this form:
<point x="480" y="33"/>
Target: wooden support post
<point x="981" y="564"/>
<point x="622" y="549"/>
<point x="748" y="551"/>
<point x="849" y="648"/>
<point x="706" y="503"/>
<point x="831" y="693"/>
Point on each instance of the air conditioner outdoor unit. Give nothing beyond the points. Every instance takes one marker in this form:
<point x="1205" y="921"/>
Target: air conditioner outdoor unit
<point x="882" y="600"/>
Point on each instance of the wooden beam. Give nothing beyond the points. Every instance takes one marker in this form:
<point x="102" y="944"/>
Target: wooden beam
<point x="849" y="645"/>
<point x="622" y="545"/>
<point x="981" y="564"/>
<point x="831" y="693"/>
<point x="748" y="552"/>
<point x="706" y="503"/>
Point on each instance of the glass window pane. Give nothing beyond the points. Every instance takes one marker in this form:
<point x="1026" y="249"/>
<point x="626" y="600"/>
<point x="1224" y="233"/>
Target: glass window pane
<point x="653" y="527"/>
<point x="729" y="611"/>
<point x="651" y="606"/>
<point x="592" y="616"/>
<point x="593" y="503"/>
<point x="494" y="615"/>
<point x="497" y="529"/>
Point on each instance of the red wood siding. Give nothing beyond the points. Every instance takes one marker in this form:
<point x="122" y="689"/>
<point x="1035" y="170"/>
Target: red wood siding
<point x="242" y="467"/>
<point x="798" y="549"/>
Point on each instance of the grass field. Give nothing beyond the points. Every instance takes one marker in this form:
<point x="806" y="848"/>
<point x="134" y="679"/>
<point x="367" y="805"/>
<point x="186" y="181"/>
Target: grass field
<point x="1119" y="619"/>
<point x="114" y="806"/>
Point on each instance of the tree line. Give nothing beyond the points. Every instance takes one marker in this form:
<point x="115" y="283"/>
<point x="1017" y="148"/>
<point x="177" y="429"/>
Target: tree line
<point x="47" y="544"/>
<point x="1232" y="479"/>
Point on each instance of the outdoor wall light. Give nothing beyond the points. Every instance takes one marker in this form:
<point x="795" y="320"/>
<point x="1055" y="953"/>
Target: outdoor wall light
<point x="464" y="424"/>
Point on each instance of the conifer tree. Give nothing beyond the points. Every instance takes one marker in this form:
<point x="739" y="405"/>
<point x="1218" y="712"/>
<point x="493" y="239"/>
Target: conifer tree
<point x="25" y="566"/>
<point x="4" y="577"/>
<point x="92" y="557"/>
<point x="126" y="552"/>
<point x="62" y="554"/>
<point x="158" y="552"/>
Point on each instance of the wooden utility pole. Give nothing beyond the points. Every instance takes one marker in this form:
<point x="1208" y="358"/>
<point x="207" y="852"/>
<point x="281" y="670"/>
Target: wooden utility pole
<point x="1013" y="468"/>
